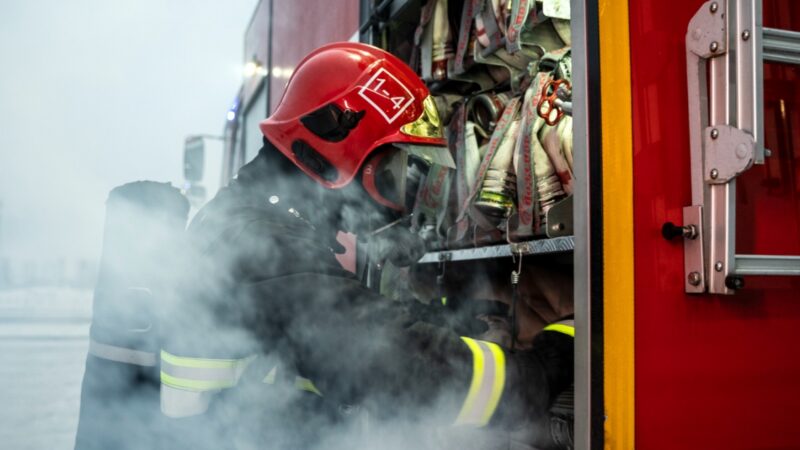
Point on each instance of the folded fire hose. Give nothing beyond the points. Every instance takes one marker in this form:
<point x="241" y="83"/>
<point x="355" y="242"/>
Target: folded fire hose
<point x="510" y="132"/>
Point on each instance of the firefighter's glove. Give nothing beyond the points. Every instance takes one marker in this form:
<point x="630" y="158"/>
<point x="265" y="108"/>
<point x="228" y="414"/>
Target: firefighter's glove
<point x="397" y="245"/>
<point x="466" y="317"/>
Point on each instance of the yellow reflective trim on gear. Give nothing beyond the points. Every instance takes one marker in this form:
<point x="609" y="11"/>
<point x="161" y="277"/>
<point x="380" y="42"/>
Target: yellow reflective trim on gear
<point x="486" y="387"/>
<point x="271" y="376"/>
<point x="195" y="385"/>
<point x="561" y="328"/>
<point x="200" y="363"/>
<point x="488" y="381"/>
<point x="498" y="383"/>
<point x="304" y="384"/>
<point x="477" y="377"/>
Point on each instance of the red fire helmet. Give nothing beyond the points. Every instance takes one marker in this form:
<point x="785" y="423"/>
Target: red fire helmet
<point x="343" y="101"/>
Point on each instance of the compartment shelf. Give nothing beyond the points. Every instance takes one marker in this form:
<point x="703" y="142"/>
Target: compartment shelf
<point x="534" y="247"/>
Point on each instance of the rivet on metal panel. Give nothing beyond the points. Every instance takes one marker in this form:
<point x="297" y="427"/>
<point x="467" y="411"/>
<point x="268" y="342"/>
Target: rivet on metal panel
<point x="745" y="35"/>
<point x="767" y="152"/>
<point x="694" y="278"/>
<point x="718" y="266"/>
<point x="714" y="46"/>
<point x="714" y="133"/>
<point x="714" y="7"/>
<point x="742" y="151"/>
<point x="714" y="174"/>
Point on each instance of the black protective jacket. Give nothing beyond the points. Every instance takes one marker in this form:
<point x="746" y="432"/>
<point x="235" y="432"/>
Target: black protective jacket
<point x="263" y="281"/>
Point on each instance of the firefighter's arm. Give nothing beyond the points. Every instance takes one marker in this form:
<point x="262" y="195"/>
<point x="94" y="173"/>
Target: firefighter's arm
<point x="467" y="317"/>
<point x="545" y="293"/>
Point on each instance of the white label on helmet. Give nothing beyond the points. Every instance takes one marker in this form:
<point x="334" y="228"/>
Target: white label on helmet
<point x="387" y="95"/>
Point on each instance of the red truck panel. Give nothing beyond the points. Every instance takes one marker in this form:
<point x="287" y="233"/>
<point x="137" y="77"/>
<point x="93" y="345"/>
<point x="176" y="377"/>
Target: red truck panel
<point x="303" y="25"/>
<point x="712" y="372"/>
<point x="256" y="47"/>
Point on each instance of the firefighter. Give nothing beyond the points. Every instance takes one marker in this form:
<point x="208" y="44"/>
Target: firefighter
<point x="271" y="342"/>
<point x="120" y="389"/>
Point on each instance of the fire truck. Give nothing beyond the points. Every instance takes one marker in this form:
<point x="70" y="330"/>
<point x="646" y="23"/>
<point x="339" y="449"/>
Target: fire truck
<point x="682" y="227"/>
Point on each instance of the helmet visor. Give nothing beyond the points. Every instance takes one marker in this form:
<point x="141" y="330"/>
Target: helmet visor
<point x="428" y="124"/>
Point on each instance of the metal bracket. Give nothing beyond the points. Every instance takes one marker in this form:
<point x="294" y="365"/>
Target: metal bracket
<point x="535" y="247"/>
<point x="729" y="151"/>
<point x="707" y="34"/>
<point x="559" y="219"/>
<point x="693" y="258"/>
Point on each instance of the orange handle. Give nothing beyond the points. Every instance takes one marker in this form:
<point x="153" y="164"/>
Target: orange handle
<point x="547" y="102"/>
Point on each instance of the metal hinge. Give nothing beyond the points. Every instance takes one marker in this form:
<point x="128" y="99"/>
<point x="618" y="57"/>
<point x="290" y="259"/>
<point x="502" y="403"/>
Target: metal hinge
<point x="728" y="152"/>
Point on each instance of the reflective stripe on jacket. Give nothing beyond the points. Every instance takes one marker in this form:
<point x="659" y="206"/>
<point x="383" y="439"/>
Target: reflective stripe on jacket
<point x="187" y="384"/>
<point x="489" y="377"/>
<point x="121" y="354"/>
<point x="563" y="326"/>
<point x="486" y="387"/>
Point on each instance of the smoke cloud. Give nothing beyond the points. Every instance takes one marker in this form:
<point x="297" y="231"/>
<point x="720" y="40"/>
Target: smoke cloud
<point x="97" y="94"/>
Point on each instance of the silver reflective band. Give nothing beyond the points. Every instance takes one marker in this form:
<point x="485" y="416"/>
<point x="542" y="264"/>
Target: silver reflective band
<point x="486" y="388"/>
<point x="121" y="354"/>
<point x="177" y="403"/>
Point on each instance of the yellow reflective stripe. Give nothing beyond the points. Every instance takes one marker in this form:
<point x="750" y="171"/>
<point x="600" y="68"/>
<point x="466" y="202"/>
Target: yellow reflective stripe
<point x="195" y="385"/>
<point x="561" y="328"/>
<point x="199" y="363"/>
<point x="475" y="384"/>
<point x="498" y="383"/>
<point x="304" y="384"/>
<point x="201" y="374"/>
<point x="486" y="387"/>
<point x="271" y="376"/>
<point x="618" y="226"/>
<point x="300" y="383"/>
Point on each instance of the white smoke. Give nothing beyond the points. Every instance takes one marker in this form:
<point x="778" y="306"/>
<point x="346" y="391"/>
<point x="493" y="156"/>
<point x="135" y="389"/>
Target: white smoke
<point x="103" y="93"/>
<point x="93" y="94"/>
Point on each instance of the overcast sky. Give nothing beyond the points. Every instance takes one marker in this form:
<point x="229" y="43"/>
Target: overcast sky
<point x="96" y="93"/>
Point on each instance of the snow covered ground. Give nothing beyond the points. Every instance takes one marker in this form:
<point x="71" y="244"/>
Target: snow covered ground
<point x="43" y="342"/>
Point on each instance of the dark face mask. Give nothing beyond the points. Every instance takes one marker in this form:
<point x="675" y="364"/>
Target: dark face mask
<point x="392" y="175"/>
